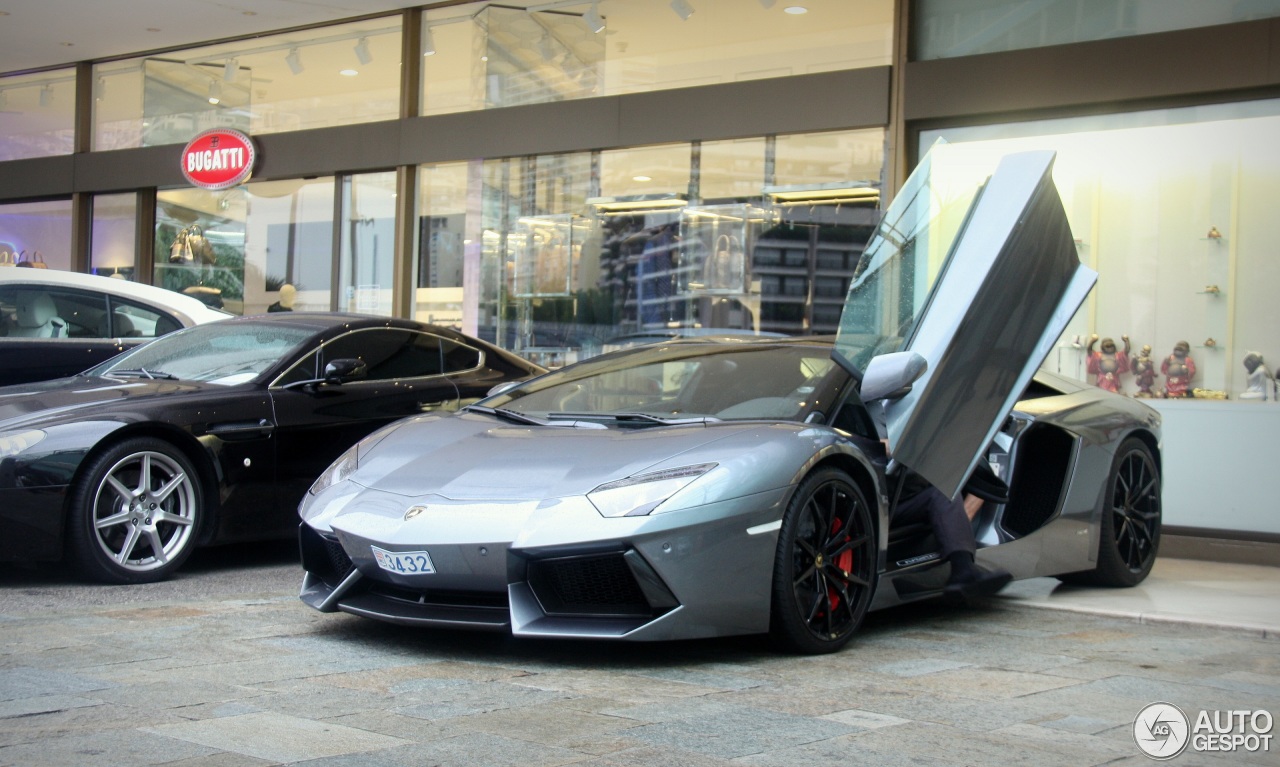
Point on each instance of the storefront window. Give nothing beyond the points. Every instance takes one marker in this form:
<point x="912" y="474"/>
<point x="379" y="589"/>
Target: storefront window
<point x="260" y="247"/>
<point x="318" y="78"/>
<point x="1175" y="210"/>
<point x="367" y="243"/>
<point x="113" y="245"/>
<point x="949" y="28"/>
<point x="37" y="114"/>
<point x="36" y="234"/>
<point x="562" y="257"/>
<point x="483" y="56"/>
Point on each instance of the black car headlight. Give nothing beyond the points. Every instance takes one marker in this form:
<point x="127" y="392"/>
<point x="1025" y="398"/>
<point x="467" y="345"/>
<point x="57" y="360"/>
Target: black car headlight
<point x="14" y="442"/>
<point x="641" y="494"/>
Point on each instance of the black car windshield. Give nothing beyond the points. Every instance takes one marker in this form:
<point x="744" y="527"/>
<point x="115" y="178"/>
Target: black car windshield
<point x="674" y="383"/>
<point x="226" y="353"/>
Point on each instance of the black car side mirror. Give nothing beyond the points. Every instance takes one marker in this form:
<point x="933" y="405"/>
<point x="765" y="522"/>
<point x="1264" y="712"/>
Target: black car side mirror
<point x="344" y="370"/>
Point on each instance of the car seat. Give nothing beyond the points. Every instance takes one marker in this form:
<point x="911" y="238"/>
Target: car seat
<point x="37" y="317"/>
<point x="116" y="325"/>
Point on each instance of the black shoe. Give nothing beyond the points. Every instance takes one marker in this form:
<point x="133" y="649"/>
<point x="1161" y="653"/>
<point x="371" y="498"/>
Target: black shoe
<point x="977" y="581"/>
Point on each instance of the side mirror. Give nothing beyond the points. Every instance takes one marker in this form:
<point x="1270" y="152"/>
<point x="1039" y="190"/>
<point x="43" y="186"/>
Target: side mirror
<point x="891" y="376"/>
<point x="343" y="370"/>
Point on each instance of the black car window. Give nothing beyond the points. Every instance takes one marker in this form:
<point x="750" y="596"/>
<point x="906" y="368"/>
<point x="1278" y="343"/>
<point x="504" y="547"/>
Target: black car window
<point x="388" y="353"/>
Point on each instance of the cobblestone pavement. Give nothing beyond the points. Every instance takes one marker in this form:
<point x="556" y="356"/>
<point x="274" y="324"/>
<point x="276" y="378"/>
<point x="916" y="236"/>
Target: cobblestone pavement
<point x="226" y="668"/>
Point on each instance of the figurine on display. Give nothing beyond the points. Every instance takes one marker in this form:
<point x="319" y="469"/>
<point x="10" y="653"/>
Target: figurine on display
<point x="1108" y="365"/>
<point x="1178" y="369"/>
<point x="1144" y="372"/>
<point x="1262" y="385"/>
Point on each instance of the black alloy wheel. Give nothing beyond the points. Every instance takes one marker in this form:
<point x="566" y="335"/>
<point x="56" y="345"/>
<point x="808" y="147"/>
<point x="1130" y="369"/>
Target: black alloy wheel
<point x="1129" y="538"/>
<point x="825" y="568"/>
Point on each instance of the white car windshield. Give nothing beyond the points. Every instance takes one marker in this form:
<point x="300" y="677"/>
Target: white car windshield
<point x="220" y="352"/>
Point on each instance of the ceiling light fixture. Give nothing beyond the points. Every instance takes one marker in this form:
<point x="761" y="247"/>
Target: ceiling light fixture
<point x="215" y="92"/>
<point x="230" y="70"/>
<point x="294" y="60"/>
<point x="593" y="19"/>
<point x="768" y="3"/>
<point x="428" y="42"/>
<point x="363" y="54"/>
<point x="682" y="9"/>
<point x="99" y="88"/>
<point x="796" y="10"/>
<point x="46" y="95"/>
<point x="348" y="72"/>
<point x="4" y="99"/>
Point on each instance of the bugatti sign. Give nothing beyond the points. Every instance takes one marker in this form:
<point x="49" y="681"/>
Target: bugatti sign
<point x="218" y="159"/>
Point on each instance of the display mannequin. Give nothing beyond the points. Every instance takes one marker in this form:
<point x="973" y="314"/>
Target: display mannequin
<point x="288" y="294"/>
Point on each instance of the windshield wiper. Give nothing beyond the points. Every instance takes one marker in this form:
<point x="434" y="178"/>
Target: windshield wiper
<point x="508" y="415"/>
<point x="152" y="374"/>
<point x="642" y="417"/>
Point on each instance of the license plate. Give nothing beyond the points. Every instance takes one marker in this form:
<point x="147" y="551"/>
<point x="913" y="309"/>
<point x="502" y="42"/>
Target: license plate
<point x="404" y="562"/>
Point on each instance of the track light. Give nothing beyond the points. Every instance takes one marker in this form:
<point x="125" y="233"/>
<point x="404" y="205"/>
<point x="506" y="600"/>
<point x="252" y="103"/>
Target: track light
<point x="230" y="70"/>
<point x="4" y="100"/>
<point x="362" y="51"/>
<point x="682" y="9"/>
<point x="46" y="95"/>
<point x="294" y="60"/>
<point x="593" y="20"/>
<point x="99" y="88"/>
<point x="768" y="3"/>
<point x="428" y="42"/>
<point x="215" y="92"/>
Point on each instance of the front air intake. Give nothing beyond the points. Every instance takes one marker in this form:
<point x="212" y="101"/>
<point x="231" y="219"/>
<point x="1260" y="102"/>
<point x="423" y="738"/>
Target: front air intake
<point x="592" y="584"/>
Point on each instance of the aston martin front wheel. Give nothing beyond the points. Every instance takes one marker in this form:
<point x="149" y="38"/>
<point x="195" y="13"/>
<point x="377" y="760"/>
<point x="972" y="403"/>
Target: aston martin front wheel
<point x="134" y="513"/>
<point x="825" y="568"/>
<point x="1129" y="534"/>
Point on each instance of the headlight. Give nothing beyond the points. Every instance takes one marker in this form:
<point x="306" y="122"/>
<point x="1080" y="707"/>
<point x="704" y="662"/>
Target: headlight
<point x="338" y="471"/>
<point x="14" y="442"/>
<point x="641" y="494"/>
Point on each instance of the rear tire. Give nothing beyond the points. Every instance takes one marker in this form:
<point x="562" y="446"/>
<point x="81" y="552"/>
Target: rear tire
<point x="1129" y="538"/>
<point x="825" y="569"/>
<point x="135" y="513"/>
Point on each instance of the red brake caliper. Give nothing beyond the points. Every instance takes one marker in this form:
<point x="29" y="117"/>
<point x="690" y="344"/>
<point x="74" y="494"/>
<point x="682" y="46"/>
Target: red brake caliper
<point x="843" y="561"/>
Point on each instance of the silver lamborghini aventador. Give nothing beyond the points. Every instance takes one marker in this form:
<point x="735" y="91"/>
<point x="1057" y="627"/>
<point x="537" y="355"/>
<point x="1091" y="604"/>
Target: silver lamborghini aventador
<point x="720" y="486"/>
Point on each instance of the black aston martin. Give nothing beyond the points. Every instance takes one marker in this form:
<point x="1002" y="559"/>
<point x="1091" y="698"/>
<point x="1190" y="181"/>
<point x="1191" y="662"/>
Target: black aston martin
<point x="212" y="434"/>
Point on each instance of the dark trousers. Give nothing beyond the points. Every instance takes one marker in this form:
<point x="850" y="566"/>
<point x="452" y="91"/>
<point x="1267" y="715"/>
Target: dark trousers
<point x="951" y="526"/>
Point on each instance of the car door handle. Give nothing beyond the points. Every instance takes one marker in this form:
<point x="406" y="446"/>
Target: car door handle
<point x="233" y="430"/>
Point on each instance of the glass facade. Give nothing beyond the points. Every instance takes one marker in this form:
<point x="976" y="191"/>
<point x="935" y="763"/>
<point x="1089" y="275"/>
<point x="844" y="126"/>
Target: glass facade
<point x="37" y="114"/>
<point x="559" y="257"/>
<point x="944" y="29"/>
<point x="36" y="233"/>
<point x="1175" y="210"/>
<point x="483" y="55"/>
<point x="319" y="78"/>
<point x="113" y="246"/>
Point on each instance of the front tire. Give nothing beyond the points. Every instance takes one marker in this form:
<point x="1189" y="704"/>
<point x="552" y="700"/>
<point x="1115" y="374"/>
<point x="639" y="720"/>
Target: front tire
<point x="825" y="568"/>
<point x="1129" y="538"/>
<point x="135" y="513"/>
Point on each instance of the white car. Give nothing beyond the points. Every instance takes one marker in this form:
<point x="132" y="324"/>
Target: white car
<point x="55" y="323"/>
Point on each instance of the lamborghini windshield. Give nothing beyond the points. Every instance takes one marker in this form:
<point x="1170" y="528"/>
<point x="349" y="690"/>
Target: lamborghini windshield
<point x="682" y="382"/>
<point x="893" y="280"/>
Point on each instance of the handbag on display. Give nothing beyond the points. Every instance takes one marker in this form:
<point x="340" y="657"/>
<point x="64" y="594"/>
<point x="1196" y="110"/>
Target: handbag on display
<point x="180" y="250"/>
<point x="6" y="258"/>
<point x="199" y="246"/>
<point x="37" y="261"/>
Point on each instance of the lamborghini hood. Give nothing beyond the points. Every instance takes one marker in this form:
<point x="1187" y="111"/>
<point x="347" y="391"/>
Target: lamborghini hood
<point x="473" y="456"/>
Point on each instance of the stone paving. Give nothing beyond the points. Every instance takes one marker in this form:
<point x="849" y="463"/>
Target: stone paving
<point x="256" y="678"/>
